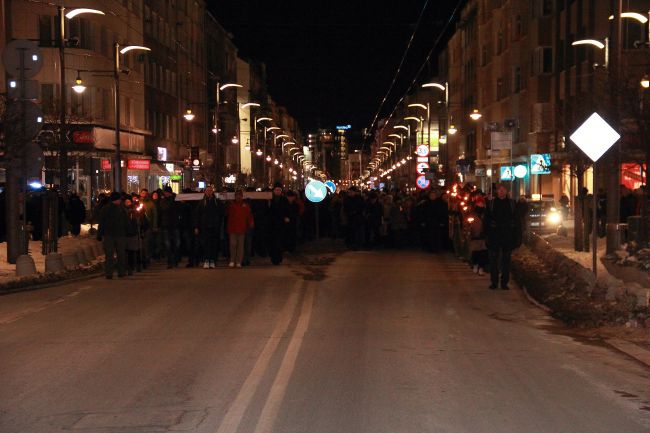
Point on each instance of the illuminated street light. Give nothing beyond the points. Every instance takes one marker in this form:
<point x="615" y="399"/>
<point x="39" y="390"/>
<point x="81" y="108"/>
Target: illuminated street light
<point x="401" y="127"/>
<point x="74" y="12"/>
<point x="595" y="43"/>
<point x="134" y="47"/>
<point x="235" y="140"/>
<point x="645" y="82"/>
<point x="634" y="15"/>
<point x="422" y="106"/>
<point x="273" y="128"/>
<point x="452" y="129"/>
<point x="436" y="85"/>
<point x="250" y="104"/>
<point x="417" y="119"/>
<point x="268" y="158"/>
<point x="79" y="86"/>
<point x="475" y="114"/>
<point x="258" y="152"/>
<point x="264" y="119"/>
<point x="189" y="116"/>
<point x="228" y="85"/>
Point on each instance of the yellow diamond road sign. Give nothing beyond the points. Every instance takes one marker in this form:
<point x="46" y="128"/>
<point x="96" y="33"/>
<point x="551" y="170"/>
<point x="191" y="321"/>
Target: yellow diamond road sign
<point x="595" y="137"/>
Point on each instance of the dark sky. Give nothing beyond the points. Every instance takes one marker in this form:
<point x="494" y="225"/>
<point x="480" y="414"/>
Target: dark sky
<point x="331" y="61"/>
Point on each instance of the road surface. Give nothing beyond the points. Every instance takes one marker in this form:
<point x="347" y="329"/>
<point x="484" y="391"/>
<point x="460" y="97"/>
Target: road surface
<point x="375" y="342"/>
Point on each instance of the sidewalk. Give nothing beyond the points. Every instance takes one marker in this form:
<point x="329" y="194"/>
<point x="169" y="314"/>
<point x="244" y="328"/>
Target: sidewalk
<point x="610" y="275"/>
<point x="68" y="245"/>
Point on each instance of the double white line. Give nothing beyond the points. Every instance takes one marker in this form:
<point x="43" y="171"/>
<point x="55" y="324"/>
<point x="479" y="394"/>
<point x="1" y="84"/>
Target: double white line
<point x="235" y="413"/>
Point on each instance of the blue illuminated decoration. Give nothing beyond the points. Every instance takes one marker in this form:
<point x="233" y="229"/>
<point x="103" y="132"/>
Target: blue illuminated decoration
<point x="344" y="127"/>
<point x="540" y="163"/>
<point x="507" y="173"/>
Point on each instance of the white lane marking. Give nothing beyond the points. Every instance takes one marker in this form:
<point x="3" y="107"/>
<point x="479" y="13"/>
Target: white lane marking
<point x="235" y="413"/>
<point x="17" y="315"/>
<point x="278" y="389"/>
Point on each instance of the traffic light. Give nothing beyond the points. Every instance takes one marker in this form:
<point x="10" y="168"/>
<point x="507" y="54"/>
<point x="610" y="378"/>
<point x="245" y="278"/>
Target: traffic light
<point x="194" y="156"/>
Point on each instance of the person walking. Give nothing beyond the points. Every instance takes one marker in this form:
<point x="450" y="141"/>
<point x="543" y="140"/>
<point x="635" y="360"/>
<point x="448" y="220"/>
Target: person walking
<point x="210" y="213"/>
<point x="278" y="221"/>
<point x="240" y="220"/>
<point x="170" y="218"/>
<point x="112" y="231"/>
<point x="503" y="234"/>
<point x="150" y="212"/>
<point x="374" y="218"/>
<point x="133" y="235"/>
<point x="76" y="214"/>
<point x="353" y="207"/>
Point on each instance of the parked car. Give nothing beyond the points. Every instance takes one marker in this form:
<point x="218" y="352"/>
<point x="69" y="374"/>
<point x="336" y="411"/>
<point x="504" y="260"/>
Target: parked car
<point x="544" y="216"/>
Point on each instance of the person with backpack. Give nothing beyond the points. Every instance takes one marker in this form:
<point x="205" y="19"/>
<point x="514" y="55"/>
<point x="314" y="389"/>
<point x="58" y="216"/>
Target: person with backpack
<point x="503" y="233"/>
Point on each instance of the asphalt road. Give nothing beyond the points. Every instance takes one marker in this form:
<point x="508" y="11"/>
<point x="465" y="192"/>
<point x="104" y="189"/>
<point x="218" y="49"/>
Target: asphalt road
<point x="376" y="342"/>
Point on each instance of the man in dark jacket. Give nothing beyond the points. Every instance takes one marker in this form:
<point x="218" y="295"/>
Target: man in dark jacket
<point x="76" y="214"/>
<point x="113" y="223"/>
<point x="434" y="215"/>
<point x="374" y="214"/>
<point x="170" y="220"/>
<point x="292" y="225"/>
<point x="209" y="218"/>
<point x="278" y="221"/>
<point x="503" y="234"/>
<point x="353" y="206"/>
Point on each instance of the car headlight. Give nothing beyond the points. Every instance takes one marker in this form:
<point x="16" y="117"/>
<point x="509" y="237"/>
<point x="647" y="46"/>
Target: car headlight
<point x="554" y="218"/>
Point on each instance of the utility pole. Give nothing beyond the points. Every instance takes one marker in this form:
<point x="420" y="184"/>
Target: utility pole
<point x="63" y="136"/>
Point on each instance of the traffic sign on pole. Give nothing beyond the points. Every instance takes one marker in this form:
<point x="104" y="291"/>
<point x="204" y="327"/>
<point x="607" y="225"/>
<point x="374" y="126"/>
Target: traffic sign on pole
<point x="422" y="182"/>
<point x="11" y="58"/>
<point x="316" y="191"/>
<point x="422" y="167"/>
<point x="594" y="138"/>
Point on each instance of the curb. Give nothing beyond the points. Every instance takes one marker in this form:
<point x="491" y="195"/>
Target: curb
<point x="44" y="280"/>
<point x="630" y="349"/>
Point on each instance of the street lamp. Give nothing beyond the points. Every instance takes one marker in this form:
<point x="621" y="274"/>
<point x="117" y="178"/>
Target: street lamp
<point x="475" y="114"/>
<point x="79" y="86"/>
<point x="189" y="116"/>
<point x="63" y="151"/>
<point x="452" y="129"/>
<point x="636" y="16"/>
<point x="596" y="43"/>
<point x="116" y="77"/>
<point x="645" y="81"/>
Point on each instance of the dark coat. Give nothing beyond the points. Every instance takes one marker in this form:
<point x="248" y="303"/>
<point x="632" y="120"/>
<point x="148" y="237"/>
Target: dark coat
<point x="170" y="213"/>
<point x="502" y="224"/>
<point x="278" y="211"/>
<point x="210" y="214"/>
<point x="113" y="221"/>
<point x="76" y="210"/>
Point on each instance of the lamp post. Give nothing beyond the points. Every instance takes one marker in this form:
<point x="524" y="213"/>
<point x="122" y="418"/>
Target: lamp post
<point x="117" y="185"/>
<point x="219" y="88"/>
<point x="63" y="150"/>
<point x="411" y="149"/>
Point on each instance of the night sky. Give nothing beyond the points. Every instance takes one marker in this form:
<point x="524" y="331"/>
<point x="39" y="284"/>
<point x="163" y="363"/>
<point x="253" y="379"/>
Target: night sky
<point x="331" y="61"/>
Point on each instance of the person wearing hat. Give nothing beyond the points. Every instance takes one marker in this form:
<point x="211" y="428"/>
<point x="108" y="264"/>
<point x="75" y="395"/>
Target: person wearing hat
<point x="113" y="224"/>
<point x="278" y="221"/>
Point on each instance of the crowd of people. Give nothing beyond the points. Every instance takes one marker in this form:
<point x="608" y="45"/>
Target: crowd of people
<point x="137" y="229"/>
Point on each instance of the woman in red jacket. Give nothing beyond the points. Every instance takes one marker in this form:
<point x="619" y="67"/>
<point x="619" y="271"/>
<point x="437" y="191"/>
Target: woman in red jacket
<point x="240" y="219"/>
